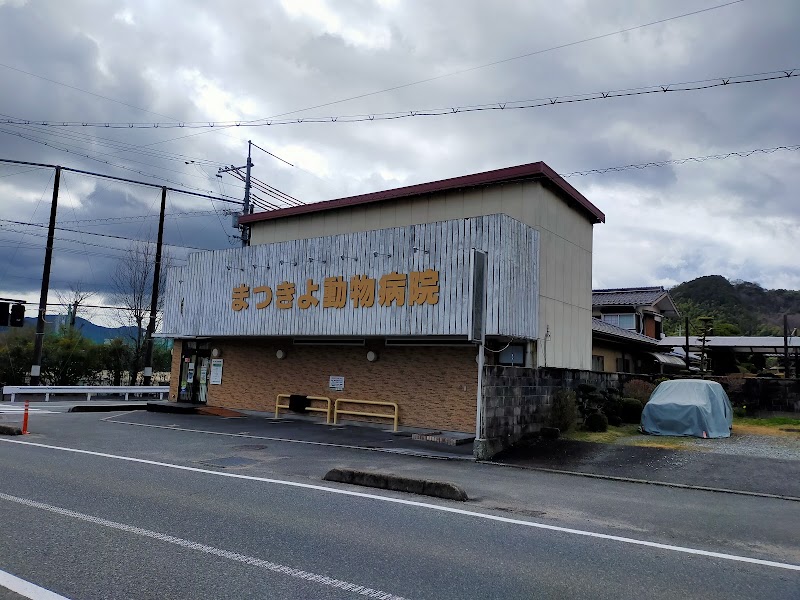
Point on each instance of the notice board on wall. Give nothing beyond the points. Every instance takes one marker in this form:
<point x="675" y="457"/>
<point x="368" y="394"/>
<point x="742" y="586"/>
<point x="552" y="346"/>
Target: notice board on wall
<point x="216" y="371"/>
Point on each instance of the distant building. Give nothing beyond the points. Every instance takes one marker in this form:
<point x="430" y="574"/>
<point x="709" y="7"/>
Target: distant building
<point x="627" y="324"/>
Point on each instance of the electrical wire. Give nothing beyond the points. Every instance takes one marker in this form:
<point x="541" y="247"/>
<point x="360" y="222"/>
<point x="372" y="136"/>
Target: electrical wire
<point x="123" y="179"/>
<point x="505" y="105"/>
<point x="80" y="136"/>
<point x="681" y="161"/>
<point x="509" y="59"/>
<point x="100" y="160"/>
<point x="6" y="228"/>
<point x="106" y="235"/>
<point x="33" y="216"/>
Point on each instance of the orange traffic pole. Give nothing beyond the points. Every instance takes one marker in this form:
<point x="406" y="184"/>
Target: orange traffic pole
<point x="25" y="419"/>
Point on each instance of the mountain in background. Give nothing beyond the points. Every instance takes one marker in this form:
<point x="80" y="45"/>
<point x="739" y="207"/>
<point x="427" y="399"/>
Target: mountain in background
<point x="738" y="307"/>
<point x="96" y="333"/>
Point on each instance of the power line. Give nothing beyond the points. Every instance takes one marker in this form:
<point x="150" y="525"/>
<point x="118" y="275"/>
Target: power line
<point x="78" y="136"/>
<point x="23" y="232"/>
<point x="273" y="155"/>
<point x="107" y="162"/>
<point x="121" y="146"/>
<point x="72" y="87"/>
<point x="126" y="219"/>
<point x="32" y="246"/>
<point x="505" y="60"/>
<point x="503" y="105"/>
<point x="115" y="178"/>
<point x="681" y="161"/>
<point x="106" y="235"/>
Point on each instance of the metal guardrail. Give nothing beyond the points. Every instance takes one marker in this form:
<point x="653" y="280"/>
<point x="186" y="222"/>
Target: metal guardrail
<point x="338" y="411"/>
<point x="89" y="390"/>
<point x="327" y="410"/>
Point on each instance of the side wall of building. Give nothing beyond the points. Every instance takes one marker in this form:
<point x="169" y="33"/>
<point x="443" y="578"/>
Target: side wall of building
<point x="434" y="387"/>
<point x="565" y="250"/>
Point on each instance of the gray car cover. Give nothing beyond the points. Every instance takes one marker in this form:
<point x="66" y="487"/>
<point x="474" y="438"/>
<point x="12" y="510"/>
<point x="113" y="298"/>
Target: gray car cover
<point x="691" y="407"/>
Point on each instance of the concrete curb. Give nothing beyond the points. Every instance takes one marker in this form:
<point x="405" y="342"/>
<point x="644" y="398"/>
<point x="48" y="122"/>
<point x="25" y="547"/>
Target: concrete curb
<point x="684" y="486"/>
<point x="10" y="430"/>
<point x="385" y="481"/>
<point x="81" y="408"/>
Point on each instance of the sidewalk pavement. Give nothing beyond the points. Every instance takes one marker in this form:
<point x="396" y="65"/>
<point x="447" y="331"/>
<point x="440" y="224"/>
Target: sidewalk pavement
<point x="651" y="465"/>
<point x="659" y="465"/>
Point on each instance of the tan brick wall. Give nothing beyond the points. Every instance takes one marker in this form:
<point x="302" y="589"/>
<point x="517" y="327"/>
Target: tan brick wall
<point x="175" y="370"/>
<point x="434" y="387"/>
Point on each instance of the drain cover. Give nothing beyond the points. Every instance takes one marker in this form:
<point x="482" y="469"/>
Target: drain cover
<point x="227" y="462"/>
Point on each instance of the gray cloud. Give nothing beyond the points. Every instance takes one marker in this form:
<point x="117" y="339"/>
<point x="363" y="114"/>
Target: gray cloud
<point x="194" y="62"/>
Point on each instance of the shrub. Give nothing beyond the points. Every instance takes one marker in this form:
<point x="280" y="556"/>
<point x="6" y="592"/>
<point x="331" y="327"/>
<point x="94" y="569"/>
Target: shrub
<point x="564" y="411"/>
<point x="631" y="411"/>
<point x="639" y="389"/>
<point x="596" y="422"/>
<point x="740" y="411"/>
<point x="612" y="408"/>
<point x="614" y="420"/>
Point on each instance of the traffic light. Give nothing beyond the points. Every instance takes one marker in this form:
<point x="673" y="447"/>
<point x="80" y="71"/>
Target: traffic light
<point x="17" y="316"/>
<point x="3" y="314"/>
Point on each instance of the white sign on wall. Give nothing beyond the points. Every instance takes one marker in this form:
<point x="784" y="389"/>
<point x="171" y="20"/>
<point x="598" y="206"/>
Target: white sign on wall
<point x="336" y="383"/>
<point x="216" y="371"/>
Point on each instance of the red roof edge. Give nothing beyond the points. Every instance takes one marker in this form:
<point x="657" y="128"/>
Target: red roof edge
<point x="537" y="170"/>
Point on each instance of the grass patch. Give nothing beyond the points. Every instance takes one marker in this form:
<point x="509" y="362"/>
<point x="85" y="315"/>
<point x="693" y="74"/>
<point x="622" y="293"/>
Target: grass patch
<point x="661" y="441"/>
<point x="769" y="426"/>
<point x="768" y="422"/>
<point x="603" y="437"/>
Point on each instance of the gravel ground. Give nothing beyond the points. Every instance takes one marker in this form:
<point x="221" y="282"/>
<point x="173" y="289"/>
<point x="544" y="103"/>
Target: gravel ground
<point x="764" y="446"/>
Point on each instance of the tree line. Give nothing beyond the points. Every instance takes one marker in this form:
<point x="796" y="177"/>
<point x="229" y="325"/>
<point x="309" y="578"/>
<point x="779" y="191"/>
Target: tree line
<point x="70" y="358"/>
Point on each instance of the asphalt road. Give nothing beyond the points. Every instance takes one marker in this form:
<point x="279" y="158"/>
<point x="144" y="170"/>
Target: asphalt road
<point x="90" y="526"/>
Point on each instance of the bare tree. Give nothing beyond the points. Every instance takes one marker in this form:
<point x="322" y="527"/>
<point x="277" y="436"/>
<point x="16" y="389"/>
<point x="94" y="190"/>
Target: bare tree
<point x="132" y="285"/>
<point x="74" y="301"/>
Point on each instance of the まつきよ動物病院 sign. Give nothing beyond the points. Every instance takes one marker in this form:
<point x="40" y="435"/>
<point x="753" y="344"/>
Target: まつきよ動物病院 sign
<point x="416" y="288"/>
<point x="404" y="281"/>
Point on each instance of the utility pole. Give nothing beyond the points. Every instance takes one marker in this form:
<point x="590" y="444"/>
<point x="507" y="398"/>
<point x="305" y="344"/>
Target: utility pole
<point x="36" y="367"/>
<point x="246" y="209"/>
<point x="686" y="347"/>
<point x="245" y="237"/>
<point x="786" y="364"/>
<point x="151" y="325"/>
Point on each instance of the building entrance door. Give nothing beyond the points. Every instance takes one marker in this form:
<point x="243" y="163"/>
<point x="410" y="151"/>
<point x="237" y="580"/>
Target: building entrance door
<point x="195" y="373"/>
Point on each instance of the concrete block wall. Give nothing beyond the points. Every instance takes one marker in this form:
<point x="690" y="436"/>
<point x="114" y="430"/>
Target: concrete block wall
<point x="435" y="387"/>
<point x="517" y="400"/>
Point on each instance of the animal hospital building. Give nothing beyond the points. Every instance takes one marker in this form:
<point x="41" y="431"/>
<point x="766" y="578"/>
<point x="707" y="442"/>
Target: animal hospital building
<point x="387" y="296"/>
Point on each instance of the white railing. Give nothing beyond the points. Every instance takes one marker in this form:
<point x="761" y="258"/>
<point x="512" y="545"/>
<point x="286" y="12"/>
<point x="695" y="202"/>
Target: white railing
<point x="89" y="390"/>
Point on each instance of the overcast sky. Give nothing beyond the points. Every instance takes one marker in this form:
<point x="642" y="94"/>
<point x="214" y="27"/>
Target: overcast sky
<point x="191" y="61"/>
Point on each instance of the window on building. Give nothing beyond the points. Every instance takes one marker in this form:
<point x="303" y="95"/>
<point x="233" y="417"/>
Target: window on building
<point x="513" y="356"/>
<point x="623" y="365"/>
<point x="626" y="321"/>
<point x="598" y="363"/>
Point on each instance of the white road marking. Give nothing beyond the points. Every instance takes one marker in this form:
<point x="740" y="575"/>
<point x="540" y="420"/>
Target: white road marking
<point x="19" y="410"/>
<point x="447" y="509"/>
<point x="26" y="588"/>
<point x="244" y="434"/>
<point x="242" y="558"/>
